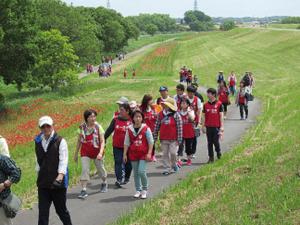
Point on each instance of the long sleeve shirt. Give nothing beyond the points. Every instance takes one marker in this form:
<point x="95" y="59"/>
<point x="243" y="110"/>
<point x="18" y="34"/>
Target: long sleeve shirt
<point x="179" y="125"/>
<point x="8" y="171"/>
<point x="4" y="147"/>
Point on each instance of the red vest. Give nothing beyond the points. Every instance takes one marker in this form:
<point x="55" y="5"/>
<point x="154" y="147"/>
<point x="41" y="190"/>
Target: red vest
<point x="212" y="114"/>
<point x="119" y="132"/>
<point x="168" y="130"/>
<point x="116" y="114"/>
<point x="194" y="106"/>
<point x="138" y="148"/>
<point x="231" y="81"/>
<point x="187" y="126"/>
<point x="223" y="97"/>
<point x="242" y="99"/>
<point x="150" y="119"/>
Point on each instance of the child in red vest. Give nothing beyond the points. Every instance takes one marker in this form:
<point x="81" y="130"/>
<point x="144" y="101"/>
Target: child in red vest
<point x="213" y="112"/>
<point x="232" y="83"/>
<point x="150" y="115"/>
<point x="223" y="96"/>
<point x="169" y="126"/>
<point x="118" y="127"/>
<point x="188" y="117"/>
<point x="138" y="147"/>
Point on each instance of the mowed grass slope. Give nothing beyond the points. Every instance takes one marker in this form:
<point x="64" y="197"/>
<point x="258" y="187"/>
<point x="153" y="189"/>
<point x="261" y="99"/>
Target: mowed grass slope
<point x="258" y="182"/>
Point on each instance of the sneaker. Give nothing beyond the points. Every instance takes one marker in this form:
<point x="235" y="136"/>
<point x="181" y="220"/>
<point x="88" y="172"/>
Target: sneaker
<point x="126" y="181"/>
<point x="144" y="194"/>
<point x="153" y="159"/>
<point x="193" y="157"/>
<point x="103" y="188"/>
<point x="83" y="194"/>
<point x="137" y="194"/>
<point x="118" y="184"/>
<point x="176" y="168"/>
<point x="225" y="117"/>
<point x="189" y="162"/>
<point x="166" y="172"/>
<point x="211" y="160"/>
<point x="219" y="155"/>
<point x="179" y="163"/>
<point x="242" y="118"/>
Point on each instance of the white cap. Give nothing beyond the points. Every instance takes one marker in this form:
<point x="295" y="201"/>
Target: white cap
<point x="122" y="100"/>
<point x="45" y="120"/>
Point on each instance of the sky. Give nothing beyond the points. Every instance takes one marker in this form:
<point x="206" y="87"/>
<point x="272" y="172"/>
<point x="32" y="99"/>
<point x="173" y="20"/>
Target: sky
<point x="214" y="8"/>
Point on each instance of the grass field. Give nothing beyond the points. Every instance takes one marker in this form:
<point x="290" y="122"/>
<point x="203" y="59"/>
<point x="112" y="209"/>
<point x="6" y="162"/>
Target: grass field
<point x="256" y="183"/>
<point x="284" y="26"/>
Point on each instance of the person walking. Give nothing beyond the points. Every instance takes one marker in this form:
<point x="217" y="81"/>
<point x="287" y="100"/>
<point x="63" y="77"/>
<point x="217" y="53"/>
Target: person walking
<point x="52" y="167"/>
<point x="242" y="100"/>
<point x="213" y="125"/>
<point x="232" y="83"/>
<point x="169" y="127"/>
<point x="118" y="127"/>
<point x="91" y="145"/>
<point x="138" y="147"/>
<point x="223" y="96"/>
<point x="9" y="174"/>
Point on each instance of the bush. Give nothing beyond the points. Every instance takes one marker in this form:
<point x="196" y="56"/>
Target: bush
<point x="2" y="101"/>
<point x="227" y="25"/>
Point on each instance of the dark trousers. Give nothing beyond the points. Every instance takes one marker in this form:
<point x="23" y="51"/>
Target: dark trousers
<point x="212" y="134"/>
<point x="190" y="146"/>
<point x="122" y="170"/>
<point x="58" y="197"/>
<point x="244" y="107"/>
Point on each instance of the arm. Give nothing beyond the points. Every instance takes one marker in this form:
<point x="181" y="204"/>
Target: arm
<point x="10" y="169"/>
<point x="110" y="129"/>
<point x="63" y="160"/>
<point x="150" y="141"/>
<point x="199" y="112"/>
<point x="126" y="146"/>
<point x="4" y="147"/>
<point x="101" y="142"/>
<point x="157" y="128"/>
<point x="222" y="118"/>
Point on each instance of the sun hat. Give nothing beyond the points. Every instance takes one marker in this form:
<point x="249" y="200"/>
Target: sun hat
<point x="45" y="120"/>
<point x="133" y="104"/>
<point x="170" y="102"/>
<point x="122" y="100"/>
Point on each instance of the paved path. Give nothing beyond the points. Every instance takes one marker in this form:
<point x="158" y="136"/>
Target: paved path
<point x="99" y="209"/>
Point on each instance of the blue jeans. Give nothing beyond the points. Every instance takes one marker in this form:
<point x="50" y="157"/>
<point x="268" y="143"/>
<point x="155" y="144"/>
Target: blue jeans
<point x="140" y="176"/>
<point x="122" y="170"/>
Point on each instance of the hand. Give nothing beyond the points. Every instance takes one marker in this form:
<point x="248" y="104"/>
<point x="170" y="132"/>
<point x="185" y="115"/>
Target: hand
<point x="76" y="158"/>
<point x="125" y="158"/>
<point x="2" y="187"/>
<point x="149" y="157"/>
<point x="100" y="156"/>
<point x="203" y="130"/>
<point x="60" y="177"/>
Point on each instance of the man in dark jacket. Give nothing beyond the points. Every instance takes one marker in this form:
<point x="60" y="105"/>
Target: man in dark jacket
<point x="52" y="167"/>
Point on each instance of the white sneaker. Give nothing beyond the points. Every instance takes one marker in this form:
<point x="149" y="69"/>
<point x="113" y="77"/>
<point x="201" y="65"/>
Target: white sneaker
<point x="137" y="194"/>
<point x="144" y="195"/>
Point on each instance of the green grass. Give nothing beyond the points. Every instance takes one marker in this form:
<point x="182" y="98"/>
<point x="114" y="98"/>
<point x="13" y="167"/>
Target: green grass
<point x="284" y="26"/>
<point x="258" y="181"/>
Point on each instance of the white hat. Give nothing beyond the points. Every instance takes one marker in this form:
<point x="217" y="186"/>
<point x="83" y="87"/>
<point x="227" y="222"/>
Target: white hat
<point x="45" y="120"/>
<point x="122" y="100"/>
<point x="133" y="104"/>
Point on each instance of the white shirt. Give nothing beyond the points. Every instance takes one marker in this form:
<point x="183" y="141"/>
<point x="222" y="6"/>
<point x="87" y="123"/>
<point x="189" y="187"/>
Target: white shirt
<point x="4" y="147"/>
<point x="63" y="153"/>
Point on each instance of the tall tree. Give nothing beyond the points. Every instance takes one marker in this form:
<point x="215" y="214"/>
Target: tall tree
<point x="17" y="22"/>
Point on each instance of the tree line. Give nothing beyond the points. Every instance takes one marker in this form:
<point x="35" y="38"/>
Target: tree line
<point x="42" y="42"/>
<point x="291" y="20"/>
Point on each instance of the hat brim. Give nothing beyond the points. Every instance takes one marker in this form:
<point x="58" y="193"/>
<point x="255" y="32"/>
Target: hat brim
<point x="171" y="106"/>
<point x="45" y="123"/>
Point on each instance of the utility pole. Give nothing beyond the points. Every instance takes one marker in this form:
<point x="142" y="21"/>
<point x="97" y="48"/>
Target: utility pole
<point x="195" y="5"/>
<point x="108" y="4"/>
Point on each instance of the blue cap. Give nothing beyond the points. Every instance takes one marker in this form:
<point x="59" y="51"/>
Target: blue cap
<point x="163" y="88"/>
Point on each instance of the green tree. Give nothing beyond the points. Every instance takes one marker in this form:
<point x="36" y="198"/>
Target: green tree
<point x="151" y="29"/>
<point x="17" y="20"/>
<point x="198" y="21"/>
<point x="55" y="61"/>
<point x="227" y="25"/>
<point x="292" y="19"/>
